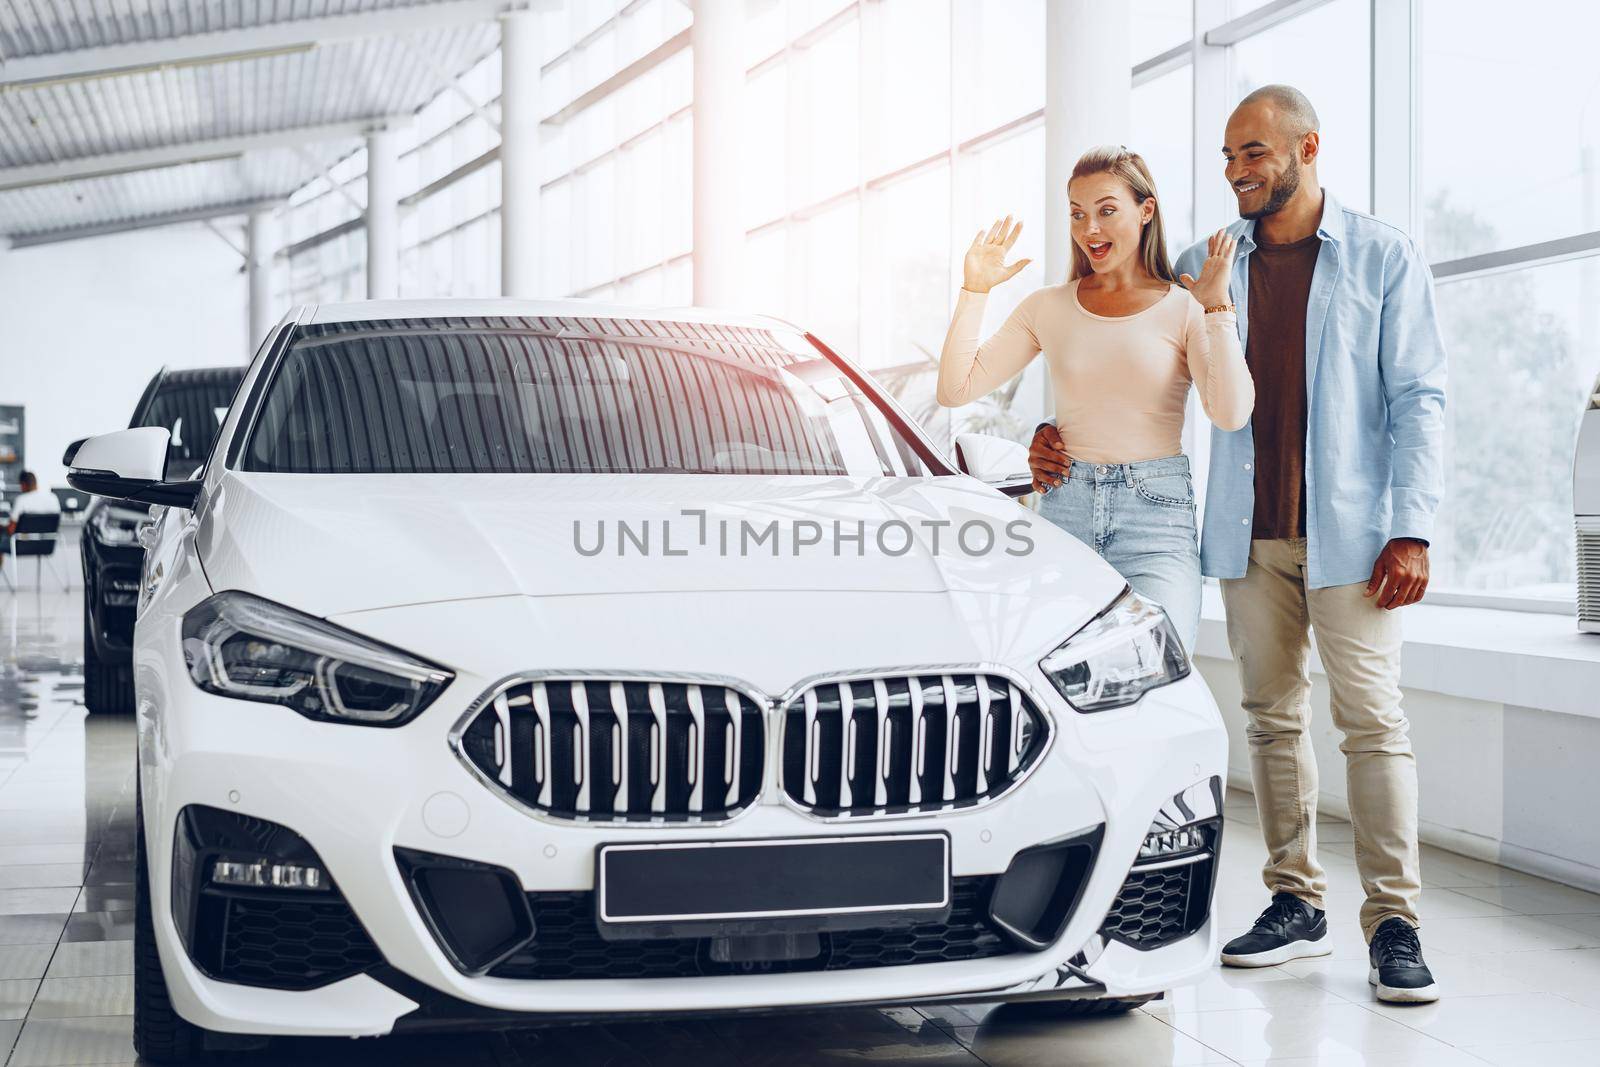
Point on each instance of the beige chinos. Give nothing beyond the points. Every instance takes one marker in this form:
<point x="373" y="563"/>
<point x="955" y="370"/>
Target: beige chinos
<point x="1271" y="613"/>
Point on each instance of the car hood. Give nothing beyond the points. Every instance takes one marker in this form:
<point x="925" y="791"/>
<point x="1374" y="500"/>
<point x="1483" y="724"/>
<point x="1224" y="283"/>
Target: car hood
<point x="335" y="544"/>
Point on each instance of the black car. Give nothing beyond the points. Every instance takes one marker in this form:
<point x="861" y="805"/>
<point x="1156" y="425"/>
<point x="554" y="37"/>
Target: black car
<point x="191" y="404"/>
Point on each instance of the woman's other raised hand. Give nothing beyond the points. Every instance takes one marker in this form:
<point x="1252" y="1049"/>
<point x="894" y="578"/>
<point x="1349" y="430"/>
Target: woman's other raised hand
<point x="1211" y="288"/>
<point x="985" y="266"/>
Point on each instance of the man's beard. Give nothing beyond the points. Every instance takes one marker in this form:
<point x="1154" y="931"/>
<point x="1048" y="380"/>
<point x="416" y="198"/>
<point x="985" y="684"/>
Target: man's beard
<point x="1286" y="186"/>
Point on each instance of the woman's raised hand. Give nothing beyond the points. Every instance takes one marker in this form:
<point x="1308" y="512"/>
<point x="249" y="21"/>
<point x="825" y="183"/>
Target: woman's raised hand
<point x="985" y="266"/>
<point x="1211" y="288"/>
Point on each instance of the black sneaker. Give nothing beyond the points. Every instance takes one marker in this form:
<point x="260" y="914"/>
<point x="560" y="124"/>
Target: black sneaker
<point x="1398" y="973"/>
<point x="1290" y="929"/>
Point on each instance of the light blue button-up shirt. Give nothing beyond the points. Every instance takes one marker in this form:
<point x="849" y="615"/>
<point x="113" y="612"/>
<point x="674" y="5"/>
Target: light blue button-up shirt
<point x="1375" y="373"/>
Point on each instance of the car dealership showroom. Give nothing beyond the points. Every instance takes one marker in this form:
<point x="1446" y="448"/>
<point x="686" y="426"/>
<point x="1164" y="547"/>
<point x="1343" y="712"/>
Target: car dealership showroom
<point x="796" y="532"/>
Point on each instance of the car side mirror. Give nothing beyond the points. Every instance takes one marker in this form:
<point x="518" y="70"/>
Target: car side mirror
<point x="130" y="465"/>
<point x="996" y="461"/>
<point x="72" y="450"/>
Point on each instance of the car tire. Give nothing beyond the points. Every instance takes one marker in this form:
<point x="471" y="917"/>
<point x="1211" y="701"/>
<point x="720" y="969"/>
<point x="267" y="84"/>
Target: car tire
<point x="107" y="689"/>
<point x="1077" y="1008"/>
<point x="160" y="1035"/>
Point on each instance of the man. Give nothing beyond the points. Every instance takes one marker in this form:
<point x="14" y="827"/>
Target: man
<point x="1318" y="516"/>
<point x="32" y="500"/>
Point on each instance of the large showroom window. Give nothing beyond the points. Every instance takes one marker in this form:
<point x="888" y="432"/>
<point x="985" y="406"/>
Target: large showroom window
<point x="1520" y="315"/>
<point x="876" y="137"/>
<point x="1163" y="133"/>
<point x="1324" y="53"/>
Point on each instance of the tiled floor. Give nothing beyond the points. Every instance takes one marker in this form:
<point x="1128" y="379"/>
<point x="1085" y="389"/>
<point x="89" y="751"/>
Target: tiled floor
<point x="1518" y="957"/>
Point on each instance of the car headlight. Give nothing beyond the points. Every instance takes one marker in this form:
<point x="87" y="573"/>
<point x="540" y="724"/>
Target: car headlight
<point x="1123" y="653"/>
<point x="117" y="526"/>
<point x="239" y="645"/>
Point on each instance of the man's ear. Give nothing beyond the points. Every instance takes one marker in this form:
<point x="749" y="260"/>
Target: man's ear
<point x="1310" y="146"/>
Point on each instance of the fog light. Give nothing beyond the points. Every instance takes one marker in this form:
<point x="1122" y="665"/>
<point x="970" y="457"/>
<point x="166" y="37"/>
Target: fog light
<point x="1162" y="844"/>
<point x="264" y="875"/>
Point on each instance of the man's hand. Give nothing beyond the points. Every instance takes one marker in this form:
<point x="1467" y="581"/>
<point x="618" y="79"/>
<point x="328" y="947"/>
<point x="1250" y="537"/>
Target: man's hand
<point x="1400" y="576"/>
<point x="1048" y="459"/>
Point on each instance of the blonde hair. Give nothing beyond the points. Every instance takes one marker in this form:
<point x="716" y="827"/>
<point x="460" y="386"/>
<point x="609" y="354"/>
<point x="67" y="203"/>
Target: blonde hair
<point x="1129" y="168"/>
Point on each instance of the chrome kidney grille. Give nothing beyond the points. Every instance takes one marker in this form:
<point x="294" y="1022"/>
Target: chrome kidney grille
<point x="620" y="750"/>
<point x="907" y="743"/>
<point x="637" y="749"/>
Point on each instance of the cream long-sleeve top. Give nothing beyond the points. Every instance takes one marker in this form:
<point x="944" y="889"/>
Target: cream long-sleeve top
<point x="1120" y="382"/>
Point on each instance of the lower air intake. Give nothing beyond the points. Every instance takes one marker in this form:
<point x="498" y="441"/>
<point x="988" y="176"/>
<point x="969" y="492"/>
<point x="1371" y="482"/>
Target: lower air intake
<point x="568" y="945"/>
<point x="291" y="944"/>
<point x="1164" y="901"/>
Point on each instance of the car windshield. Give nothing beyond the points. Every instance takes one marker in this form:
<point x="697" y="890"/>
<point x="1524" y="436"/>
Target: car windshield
<point x="493" y="396"/>
<point x="193" y="412"/>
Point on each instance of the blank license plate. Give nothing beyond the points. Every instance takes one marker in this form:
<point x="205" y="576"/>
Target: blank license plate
<point x="841" y="882"/>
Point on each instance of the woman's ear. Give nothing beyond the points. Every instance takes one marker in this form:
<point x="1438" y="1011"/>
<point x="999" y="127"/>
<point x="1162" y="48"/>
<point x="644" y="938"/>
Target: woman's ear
<point x="1147" y="210"/>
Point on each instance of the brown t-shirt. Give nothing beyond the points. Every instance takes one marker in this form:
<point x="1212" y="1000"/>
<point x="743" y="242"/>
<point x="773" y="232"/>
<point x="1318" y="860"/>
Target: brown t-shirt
<point x="1280" y="289"/>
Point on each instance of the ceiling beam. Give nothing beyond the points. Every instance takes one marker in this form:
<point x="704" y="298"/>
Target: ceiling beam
<point x="113" y="163"/>
<point x="452" y="83"/>
<point x="221" y="46"/>
<point x="1259" y="20"/>
<point x="238" y="250"/>
<point x="650" y="60"/>
<point x="100" y="229"/>
<point x="334" y="184"/>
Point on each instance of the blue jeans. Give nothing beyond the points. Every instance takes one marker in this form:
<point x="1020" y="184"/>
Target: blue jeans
<point x="1140" y="518"/>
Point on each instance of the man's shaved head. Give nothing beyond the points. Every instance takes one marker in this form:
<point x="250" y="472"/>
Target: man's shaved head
<point x="1294" y="114"/>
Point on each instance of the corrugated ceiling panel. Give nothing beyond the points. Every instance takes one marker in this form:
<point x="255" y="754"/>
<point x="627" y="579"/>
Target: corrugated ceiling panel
<point x="144" y="195"/>
<point x="332" y="83"/>
<point x="73" y="119"/>
<point x="37" y="27"/>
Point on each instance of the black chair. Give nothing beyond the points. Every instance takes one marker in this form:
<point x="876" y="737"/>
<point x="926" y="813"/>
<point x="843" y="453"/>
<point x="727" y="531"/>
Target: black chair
<point x="36" y="536"/>
<point x="72" y="501"/>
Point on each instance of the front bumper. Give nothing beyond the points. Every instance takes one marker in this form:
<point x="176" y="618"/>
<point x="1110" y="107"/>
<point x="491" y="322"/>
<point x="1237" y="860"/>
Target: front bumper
<point x="357" y="795"/>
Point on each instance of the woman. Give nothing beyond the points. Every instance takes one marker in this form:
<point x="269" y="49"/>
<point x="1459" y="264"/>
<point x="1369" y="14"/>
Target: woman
<point x="1124" y="342"/>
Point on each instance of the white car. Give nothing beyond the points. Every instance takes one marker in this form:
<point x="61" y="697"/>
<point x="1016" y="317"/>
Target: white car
<point x="525" y="662"/>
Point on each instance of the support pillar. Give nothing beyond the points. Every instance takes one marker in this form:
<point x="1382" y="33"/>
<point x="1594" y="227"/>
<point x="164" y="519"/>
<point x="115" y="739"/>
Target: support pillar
<point x="1214" y="203"/>
<point x="262" y="237"/>
<point x="519" y="154"/>
<point x="718" y="91"/>
<point x="383" y="215"/>
<point x="1088" y="93"/>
